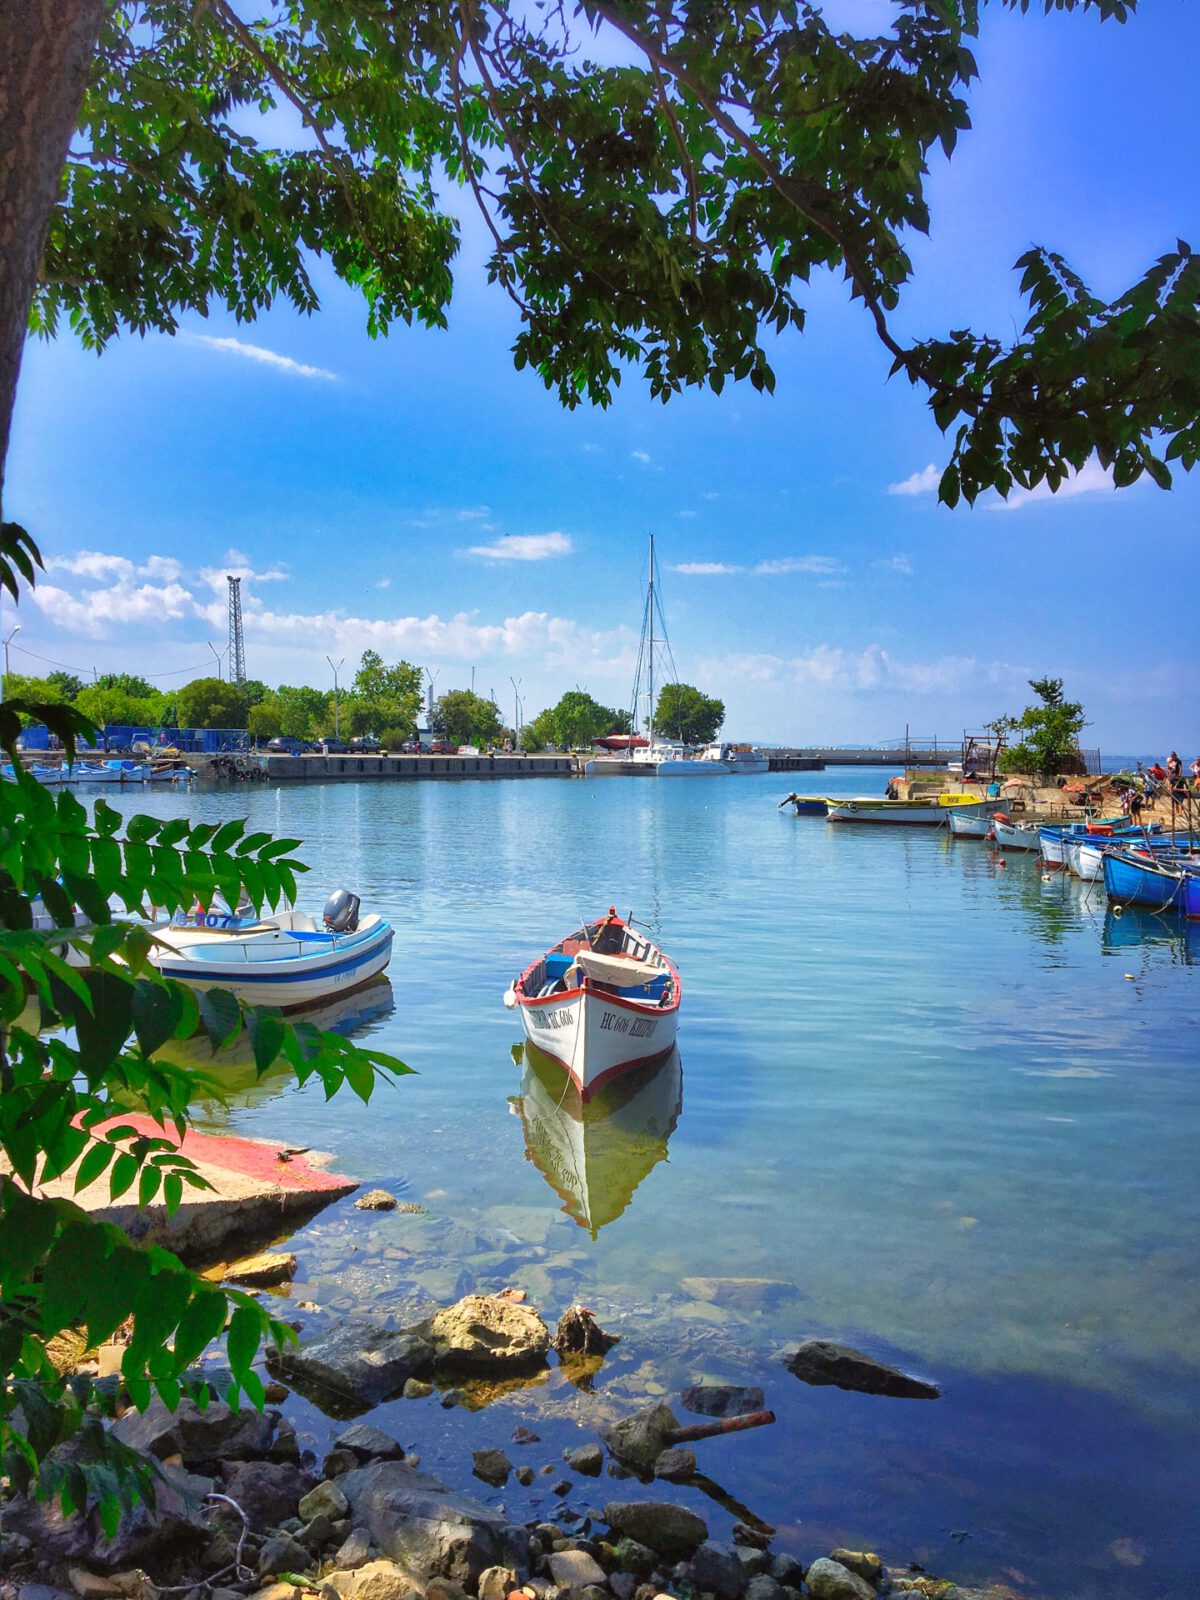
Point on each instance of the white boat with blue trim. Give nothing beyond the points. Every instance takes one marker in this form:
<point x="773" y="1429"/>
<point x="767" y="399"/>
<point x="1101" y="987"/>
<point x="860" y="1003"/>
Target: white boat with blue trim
<point x="600" y="1002"/>
<point x="288" y="960"/>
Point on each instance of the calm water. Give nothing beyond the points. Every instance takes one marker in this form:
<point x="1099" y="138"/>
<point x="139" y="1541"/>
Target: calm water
<point x="946" y="1110"/>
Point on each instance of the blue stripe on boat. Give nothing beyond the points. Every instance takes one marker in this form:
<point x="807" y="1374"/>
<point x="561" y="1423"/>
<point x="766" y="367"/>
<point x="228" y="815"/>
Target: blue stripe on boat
<point x="250" y="972"/>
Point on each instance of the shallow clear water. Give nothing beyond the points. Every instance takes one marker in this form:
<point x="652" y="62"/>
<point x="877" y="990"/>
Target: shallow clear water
<point x="946" y="1108"/>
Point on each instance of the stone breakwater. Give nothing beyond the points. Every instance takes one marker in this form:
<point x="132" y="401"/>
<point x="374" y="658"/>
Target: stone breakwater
<point x="243" y="1511"/>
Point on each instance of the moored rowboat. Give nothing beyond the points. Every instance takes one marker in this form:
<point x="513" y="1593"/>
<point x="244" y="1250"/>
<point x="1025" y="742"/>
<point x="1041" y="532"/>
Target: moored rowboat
<point x="931" y="813"/>
<point x="600" y="1002"/>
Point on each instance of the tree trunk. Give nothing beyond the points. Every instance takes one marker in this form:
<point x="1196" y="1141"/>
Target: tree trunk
<point x="46" y="51"/>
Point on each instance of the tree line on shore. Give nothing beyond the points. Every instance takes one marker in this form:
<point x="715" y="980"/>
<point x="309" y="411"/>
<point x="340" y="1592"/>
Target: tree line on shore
<point x="382" y="700"/>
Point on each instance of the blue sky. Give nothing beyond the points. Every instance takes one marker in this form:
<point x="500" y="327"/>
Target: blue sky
<point x="418" y="496"/>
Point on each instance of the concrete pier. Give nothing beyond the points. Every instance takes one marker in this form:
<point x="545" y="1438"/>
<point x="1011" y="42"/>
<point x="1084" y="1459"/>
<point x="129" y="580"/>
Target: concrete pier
<point x="354" y="767"/>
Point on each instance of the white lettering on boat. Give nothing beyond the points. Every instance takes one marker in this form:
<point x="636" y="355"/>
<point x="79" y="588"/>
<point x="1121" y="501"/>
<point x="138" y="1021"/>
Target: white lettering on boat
<point x="635" y="1027"/>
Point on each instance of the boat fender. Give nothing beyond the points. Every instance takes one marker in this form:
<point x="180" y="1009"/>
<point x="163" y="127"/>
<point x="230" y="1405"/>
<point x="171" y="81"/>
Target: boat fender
<point x="851" y="807"/>
<point x="510" y="996"/>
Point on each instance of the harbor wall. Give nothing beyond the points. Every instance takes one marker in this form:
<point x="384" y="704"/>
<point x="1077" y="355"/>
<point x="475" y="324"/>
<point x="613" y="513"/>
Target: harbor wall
<point x="353" y="767"/>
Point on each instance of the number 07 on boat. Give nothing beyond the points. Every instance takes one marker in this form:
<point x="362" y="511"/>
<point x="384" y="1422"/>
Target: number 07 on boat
<point x="600" y="1002"/>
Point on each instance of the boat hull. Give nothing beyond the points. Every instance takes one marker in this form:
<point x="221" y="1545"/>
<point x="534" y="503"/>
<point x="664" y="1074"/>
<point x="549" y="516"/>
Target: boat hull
<point x="966" y="823"/>
<point x="892" y="811"/>
<point x="1130" y="882"/>
<point x="1016" y="835"/>
<point x="814" y="807"/>
<point x="595" y="1037"/>
<point x="260" y="977"/>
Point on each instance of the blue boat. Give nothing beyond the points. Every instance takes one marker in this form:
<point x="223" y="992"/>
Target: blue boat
<point x="1131" y="878"/>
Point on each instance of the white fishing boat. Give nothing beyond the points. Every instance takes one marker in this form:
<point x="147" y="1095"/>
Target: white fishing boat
<point x="1015" y="835"/>
<point x="931" y="813"/>
<point x="287" y="960"/>
<point x="595" y="1153"/>
<point x="969" y="822"/>
<point x="600" y="1002"/>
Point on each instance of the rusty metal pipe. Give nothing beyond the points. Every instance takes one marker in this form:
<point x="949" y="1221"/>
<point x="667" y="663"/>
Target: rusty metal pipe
<point x="719" y="1425"/>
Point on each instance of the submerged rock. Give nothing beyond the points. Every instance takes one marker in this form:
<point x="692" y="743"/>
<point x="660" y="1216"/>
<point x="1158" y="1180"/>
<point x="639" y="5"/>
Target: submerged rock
<point x="723" y="1399"/>
<point x="356" y="1363"/>
<point x="263" y="1271"/>
<point x="820" y="1361"/>
<point x="676" y="1465"/>
<point x="739" y="1294"/>
<point x="376" y="1200"/>
<point x="482" y="1333"/>
<point x="663" y="1527"/>
<point x="493" y="1466"/>
<point x="587" y="1459"/>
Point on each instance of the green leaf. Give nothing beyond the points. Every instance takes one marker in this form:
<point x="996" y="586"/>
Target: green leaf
<point x="245" y="1333"/>
<point x="221" y="1016"/>
<point x="94" y="1162"/>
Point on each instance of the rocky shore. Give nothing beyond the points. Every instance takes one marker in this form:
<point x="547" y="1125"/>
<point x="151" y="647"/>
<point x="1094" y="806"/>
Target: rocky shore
<point x="243" y="1511"/>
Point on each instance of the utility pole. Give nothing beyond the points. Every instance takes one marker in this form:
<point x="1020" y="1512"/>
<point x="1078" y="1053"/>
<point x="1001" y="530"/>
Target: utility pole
<point x="337" y="667"/>
<point x="237" y="645"/>
<point x="516" y="683"/>
<point x="8" y="639"/>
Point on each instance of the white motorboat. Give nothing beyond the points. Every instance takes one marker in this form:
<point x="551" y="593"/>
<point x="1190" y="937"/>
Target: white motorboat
<point x="287" y="960"/>
<point x="600" y="1002"/>
<point x="738" y="759"/>
<point x="595" y="1154"/>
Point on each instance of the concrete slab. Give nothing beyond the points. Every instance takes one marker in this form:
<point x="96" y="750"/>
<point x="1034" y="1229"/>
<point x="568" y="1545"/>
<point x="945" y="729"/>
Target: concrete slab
<point x="260" y="1190"/>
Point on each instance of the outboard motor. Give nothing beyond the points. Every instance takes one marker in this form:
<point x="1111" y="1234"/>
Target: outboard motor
<point x="341" y="911"/>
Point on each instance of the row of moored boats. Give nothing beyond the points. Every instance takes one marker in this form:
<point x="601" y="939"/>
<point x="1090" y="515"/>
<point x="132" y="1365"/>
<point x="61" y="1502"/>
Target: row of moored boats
<point x="87" y="773"/>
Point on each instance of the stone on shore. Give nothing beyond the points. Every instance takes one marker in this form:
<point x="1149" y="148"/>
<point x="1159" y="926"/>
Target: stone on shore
<point x="575" y="1569"/>
<point x="676" y="1465"/>
<point x="763" y="1586"/>
<point x="482" y="1333"/>
<point x="268" y="1491"/>
<point x="262" y="1271"/>
<point x="416" y="1521"/>
<point x="374" y="1580"/>
<point x="579" y="1334"/>
<point x="497" y="1583"/>
<point x="325" y="1500"/>
<point x="722" y="1399"/>
<point x="864" y="1562"/>
<point x="715" y="1569"/>
<point x="282" y="1553"/>
<point x="175" y="1525"/>
<point x="638" y="1440"/>
<point x="820" y="1361"/>
<point x="663" y="1527"/>
<point x="354" y="1551"/>
<point x="587" y="1459"/>
<point x="214" y="1434"/>
<point x="829" y="1580"/>
<point x="493" y="1466"/>
<point x="355" y="1364"/>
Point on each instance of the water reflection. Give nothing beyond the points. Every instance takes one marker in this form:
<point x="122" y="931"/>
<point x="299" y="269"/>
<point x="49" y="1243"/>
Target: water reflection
<point x="1133" y="926"/>
<point x="233" y="1079"/>
<point x="595" y="1154"/>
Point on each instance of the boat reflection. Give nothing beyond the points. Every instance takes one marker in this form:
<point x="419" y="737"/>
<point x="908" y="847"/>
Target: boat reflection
<point x="1134" y="926"/>
<point x="595" y="1154"/>
<point x="231" y="1075"/>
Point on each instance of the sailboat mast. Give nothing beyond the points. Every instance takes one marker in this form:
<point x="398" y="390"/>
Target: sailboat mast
<point x="651" y="611"/>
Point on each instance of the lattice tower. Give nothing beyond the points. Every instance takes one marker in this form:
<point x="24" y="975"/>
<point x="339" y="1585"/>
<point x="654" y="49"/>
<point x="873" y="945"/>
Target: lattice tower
<point x="237" y="644"/>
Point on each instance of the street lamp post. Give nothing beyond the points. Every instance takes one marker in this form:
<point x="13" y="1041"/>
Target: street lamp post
<point x="337" y="722"/>
<point x="516" y="683"/>
<point x="8" y="639"/>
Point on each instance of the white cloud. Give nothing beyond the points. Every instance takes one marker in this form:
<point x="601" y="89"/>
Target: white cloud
<point x="862" y="671"/>
<point x="259" y="353"/>
<point x="93" y="564"/>
<point x="165" y="567"/>
<point x="1091" y="478"/>
<point x="643" y="456"/>
<point x="821" y="565"/>
<point x="923" y="482"/>
<point x="900" y="564"/>
<point x="384" y="583"/>
<point x="711" y="494"/>
<point x="121" y="603"/>
<point x="706" y="569"/>
<point x="523" y="547"/>
<point x="239" y="565"/>
<point x="685" y="513"/>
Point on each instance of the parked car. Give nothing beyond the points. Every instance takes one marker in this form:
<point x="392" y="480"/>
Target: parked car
<point x="411" y="747"/>
<point x="365" y="744"/>
<point x="332" y="747"/>
<point x="287" y="745"/>
<point x="443" y="747"/>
